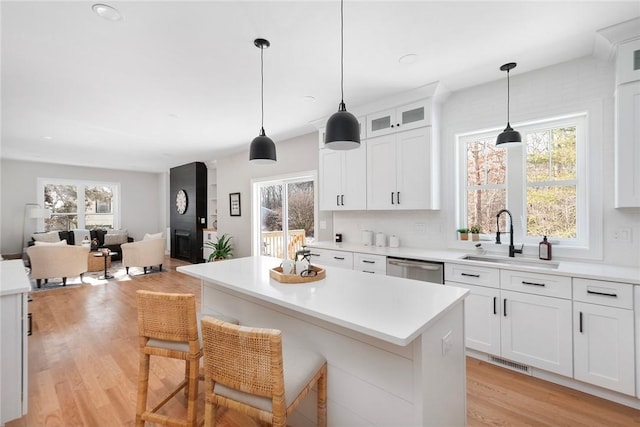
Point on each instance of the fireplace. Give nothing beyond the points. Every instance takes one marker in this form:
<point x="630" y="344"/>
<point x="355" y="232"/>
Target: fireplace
<point x="182" y="241"/>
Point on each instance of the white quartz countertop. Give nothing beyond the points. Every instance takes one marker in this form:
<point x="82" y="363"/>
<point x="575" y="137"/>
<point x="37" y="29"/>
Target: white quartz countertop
<point x="13" y="278"/>
<point x="586" y="270"/>
<point x="388" y="308"/>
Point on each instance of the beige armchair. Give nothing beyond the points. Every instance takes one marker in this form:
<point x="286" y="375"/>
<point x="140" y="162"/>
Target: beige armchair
<point x="145" y="254"/>
<point x="54" y="261"/>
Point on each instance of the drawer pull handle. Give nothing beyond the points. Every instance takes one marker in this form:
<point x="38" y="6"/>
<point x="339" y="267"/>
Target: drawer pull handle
<point x="367" y="271"/>
<point x="580" y="322"/>
<point x="470" y="275"/>
<point x="339" y="258"/>
<point x="533" y="283"/>
<point x="368" y="262"/>
<point x="605" y="294"/>
<point x="312" y="254"/>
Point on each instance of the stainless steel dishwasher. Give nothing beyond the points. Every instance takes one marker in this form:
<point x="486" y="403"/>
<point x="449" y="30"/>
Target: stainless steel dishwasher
<point x="426" y="271"/>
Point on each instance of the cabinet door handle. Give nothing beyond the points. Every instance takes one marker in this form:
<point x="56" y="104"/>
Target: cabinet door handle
<point x="338" y="258"/>
<point x="30" y="329"/>
<point x="606" y="294"/>
<point x="398" y="197"/>
<point x="368" y="262"/>
<point x="392" y="126"/>
<point x="312" y="254"/>
<point x="342" y="200"/>
<point x="392" y="198"/>
<point x="338" y="200"/>
<point x="580" y="322"/>
<point x="504" y="307"/>
<point x="533" y="283"/>
<point x="495" y="309"/>
<point x="470" y="275"/>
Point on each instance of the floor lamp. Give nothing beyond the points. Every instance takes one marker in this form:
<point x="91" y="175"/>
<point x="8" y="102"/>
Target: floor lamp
<point x="32" y="211"/>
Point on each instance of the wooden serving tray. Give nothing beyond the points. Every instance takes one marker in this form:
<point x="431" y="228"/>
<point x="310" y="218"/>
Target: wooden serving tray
<point x="276" y="274"/>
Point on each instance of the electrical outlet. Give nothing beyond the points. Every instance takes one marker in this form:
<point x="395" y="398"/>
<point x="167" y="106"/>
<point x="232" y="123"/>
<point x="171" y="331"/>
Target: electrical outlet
<point x="622" y="235"/>
<point x="420" y="228"/>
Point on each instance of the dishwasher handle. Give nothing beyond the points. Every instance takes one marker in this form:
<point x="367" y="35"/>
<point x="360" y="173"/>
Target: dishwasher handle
<point x="413" y="264"/>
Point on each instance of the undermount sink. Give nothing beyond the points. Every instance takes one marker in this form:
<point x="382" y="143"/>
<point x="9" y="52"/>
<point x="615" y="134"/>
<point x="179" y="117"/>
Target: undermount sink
<point x="512" y="261"/>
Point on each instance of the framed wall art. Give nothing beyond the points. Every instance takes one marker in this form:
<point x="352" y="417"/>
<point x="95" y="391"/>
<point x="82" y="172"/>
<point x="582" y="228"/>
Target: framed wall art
<point x="234" y="204"/>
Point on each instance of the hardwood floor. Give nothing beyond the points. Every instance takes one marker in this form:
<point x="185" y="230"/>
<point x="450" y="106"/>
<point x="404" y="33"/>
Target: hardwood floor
<point x="83" y="367"/>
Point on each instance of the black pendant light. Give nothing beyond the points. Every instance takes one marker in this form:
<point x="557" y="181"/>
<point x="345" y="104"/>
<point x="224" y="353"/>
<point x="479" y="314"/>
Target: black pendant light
<point x="263" y="150"/>
<point x="508" y="136"/>
<point x="343" y="130"/>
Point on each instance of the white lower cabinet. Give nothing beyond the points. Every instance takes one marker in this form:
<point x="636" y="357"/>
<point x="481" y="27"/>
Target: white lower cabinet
<point x="536" y="330"/>
<point x="368" y="263"/>
<point x="604" y="335"/>
<point x="331" y="258"/>
<point x="525" y="326"/>
<point x="482" y="318"/>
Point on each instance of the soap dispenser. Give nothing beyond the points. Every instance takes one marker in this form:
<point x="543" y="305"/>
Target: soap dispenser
<point x="544" y="249"/>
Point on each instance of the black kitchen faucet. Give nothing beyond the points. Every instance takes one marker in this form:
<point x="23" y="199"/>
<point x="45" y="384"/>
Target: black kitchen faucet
<point x="512" y="249"/>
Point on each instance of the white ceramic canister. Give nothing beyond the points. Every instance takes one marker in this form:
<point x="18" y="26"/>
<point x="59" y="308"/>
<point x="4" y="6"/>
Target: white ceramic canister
<point x="394" y="241"/>
<point x="381" y="240"/>
<point x="367" y="238"/>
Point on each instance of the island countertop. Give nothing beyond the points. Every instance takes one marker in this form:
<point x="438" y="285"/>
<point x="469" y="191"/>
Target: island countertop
<point x="392" y="309"/>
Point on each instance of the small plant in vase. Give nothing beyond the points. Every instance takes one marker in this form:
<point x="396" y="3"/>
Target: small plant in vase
<point x="464" y="233"/>
<point x="475" y="232"/>
<point x="221" y="248"/>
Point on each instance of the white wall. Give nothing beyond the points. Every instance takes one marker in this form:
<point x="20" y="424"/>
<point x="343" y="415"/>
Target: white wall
<point x="573" y="86"/>
<point x="143" y="197"/>
<point x="234" y="174"/>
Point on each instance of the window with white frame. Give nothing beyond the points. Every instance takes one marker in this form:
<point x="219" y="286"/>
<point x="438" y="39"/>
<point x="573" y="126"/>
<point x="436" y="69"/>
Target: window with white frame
<point x="80" y="204"/>
<point x="542" y="181"/>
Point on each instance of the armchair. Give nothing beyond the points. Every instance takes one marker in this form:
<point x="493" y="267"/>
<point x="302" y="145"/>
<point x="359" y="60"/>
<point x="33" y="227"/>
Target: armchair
<point x="144" y="253"/>
<point x="57" y="261"/>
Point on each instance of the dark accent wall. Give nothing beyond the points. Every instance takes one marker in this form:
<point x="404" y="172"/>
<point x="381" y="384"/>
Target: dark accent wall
<point x="186" y="229"/>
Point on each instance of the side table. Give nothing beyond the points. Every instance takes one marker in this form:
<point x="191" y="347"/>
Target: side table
<point x="107" y="256"/>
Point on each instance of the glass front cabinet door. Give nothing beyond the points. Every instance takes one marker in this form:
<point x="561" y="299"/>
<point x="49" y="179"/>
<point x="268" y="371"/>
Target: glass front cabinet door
<point x="409" y="116"/>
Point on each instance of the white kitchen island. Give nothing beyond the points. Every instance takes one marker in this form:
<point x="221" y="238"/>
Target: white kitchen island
<point x="395" y="347"/>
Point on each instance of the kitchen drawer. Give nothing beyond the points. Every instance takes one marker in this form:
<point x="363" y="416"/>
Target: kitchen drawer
<point x="332" y="258"/>
<point x="535" y="283"/>
<point x="472" y="275"/>
<point x="612" y="294"/>
<point x="370" y="263"/>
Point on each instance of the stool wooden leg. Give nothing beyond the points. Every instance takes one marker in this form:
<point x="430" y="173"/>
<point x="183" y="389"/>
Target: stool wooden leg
<point x="143" y="386"/>
<point x="322" y="398"/>
<point x="193" y="368"/>
<point x="209" y="408"/>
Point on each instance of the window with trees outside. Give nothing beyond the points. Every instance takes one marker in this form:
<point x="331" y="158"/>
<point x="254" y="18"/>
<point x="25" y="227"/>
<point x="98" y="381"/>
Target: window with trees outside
<point x="542" y="181"/>
<point x="74" y="204"/>
<point x="284" y="215"/>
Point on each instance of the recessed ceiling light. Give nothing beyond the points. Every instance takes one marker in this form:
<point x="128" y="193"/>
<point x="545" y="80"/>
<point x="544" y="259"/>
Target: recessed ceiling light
<point x="47" y="137"/>
<point x="408" y="59"/>
<point x="309" y="98"/>
<point x="107" y="12"/>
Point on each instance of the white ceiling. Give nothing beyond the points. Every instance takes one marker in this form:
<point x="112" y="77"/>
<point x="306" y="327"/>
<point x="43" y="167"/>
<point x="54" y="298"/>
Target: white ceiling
<point x="176" y="82"/>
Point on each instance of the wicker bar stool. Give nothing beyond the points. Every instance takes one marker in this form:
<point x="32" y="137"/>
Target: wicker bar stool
<point x="244" y="371"/>
<point x="169" y="327"/>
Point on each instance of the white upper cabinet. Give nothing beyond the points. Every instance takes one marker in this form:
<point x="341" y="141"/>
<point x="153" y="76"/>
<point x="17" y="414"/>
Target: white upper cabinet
<point x="409" y="116"/>
<point x="628" y="62"/>
<point x="627" y="146"/>
<point x="400" y="171"/>
<point x="342" y="178"/>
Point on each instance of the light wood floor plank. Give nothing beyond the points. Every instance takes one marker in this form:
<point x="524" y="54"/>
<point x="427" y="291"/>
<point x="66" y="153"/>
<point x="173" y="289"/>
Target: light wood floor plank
<point x="83" y="368"/>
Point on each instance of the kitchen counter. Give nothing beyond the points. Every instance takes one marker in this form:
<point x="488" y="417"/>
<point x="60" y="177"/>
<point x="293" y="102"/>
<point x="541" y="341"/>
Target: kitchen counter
<point x="13" y="278"/>
<point x="386" y="339"/>
<point x="586" y="270"/>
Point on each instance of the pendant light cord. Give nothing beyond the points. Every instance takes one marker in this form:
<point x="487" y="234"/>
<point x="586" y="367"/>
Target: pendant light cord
<point x="262" y="89"/>
<point x="341" y="52"/>
<point x="508" y="98"/>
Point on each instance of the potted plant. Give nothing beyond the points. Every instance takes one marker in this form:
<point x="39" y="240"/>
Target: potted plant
<point x="464" y="233"/>
<point x="475" y="232"/>
<point x="221" y="248"/>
